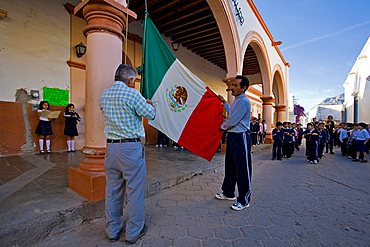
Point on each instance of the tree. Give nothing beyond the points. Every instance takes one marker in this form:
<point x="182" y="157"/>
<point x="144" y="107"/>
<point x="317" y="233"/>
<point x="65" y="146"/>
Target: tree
<point x="299" y="112"/>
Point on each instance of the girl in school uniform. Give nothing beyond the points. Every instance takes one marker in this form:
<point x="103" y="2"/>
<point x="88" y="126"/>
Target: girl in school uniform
<point x="44" y="129"/>
<point x="70" y="127"/>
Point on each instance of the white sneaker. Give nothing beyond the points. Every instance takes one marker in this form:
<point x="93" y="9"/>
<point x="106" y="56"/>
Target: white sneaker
<point x="311" y="162"/>
<point x="315" y="161"/>
<point x="238" y="206"/>
<point x="221" y="196"/>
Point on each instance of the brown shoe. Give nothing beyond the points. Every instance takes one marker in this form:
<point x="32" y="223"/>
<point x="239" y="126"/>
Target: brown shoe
<point x="142" y="233"/>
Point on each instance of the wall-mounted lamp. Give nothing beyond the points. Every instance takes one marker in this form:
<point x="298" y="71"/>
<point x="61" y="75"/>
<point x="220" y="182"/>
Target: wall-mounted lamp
<point x="175" y="45"/>
<point x="35" y="94"/>
<point x="80" y="49"/>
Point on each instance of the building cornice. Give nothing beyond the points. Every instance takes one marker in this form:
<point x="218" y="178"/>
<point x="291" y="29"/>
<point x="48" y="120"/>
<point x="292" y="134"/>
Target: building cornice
<point x="265" y="28"/>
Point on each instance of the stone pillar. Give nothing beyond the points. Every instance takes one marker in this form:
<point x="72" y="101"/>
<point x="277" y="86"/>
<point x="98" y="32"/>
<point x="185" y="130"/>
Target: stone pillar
<point x="267" y="102"/>
<point x="104" y="31"/>
<point x="230" y="97"/>
<point x="281" y="112"/>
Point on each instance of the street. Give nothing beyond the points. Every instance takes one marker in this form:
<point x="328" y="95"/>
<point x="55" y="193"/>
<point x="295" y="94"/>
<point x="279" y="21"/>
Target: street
<point x="294" y="203"/>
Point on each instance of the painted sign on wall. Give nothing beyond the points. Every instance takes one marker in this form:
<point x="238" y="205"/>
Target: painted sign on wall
<point x="56" y="96"/>
<point x="238" y="12"/>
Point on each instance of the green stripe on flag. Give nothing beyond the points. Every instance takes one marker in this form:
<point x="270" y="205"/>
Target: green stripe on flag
<point x="157" y="58"/>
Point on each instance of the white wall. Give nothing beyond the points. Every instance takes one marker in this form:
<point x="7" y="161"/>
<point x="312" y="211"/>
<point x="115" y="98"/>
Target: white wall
<point x="321" y="112"/>
<point x="357" y="83"/>
<point x="34" y="46"/>
<point x="251" y="23"/>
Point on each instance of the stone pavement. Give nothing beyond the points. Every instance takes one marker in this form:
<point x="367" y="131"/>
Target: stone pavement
<point x="294" y="203"/>
<point x="35" y="200"/>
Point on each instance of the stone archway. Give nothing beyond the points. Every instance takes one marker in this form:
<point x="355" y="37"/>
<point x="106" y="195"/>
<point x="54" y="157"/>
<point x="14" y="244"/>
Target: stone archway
<point x="278" y="90"/>
<point x="256" y="66"/>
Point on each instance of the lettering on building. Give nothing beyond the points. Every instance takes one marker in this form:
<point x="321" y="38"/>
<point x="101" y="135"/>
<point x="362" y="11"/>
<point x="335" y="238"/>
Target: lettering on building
<point x="238" y="12"/>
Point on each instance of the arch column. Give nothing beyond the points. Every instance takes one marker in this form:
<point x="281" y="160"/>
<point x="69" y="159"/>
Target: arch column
<point x="104" y="31"/>
<point x="267" y="102"/>
<point x="281" y="112"/>
<point x="230" y="97"/>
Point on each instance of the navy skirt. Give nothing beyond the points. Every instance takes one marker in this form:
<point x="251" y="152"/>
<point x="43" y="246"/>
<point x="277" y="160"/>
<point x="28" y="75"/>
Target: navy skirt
<point x="44" y="128"/>
<point x="360" y="146"/>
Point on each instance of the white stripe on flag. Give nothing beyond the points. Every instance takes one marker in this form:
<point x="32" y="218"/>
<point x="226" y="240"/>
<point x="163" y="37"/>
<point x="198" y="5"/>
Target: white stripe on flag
<point x="168" y="120"/>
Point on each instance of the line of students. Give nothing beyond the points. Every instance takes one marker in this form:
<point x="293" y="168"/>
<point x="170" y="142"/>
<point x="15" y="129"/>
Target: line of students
<point x="354" y="141"/>
<point x="44" y="129"/>
<point x="287" y="137"/>
<point x="257" y="129"/>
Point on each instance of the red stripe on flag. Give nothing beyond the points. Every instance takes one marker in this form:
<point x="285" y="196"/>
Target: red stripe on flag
<point x="202" y="133"/>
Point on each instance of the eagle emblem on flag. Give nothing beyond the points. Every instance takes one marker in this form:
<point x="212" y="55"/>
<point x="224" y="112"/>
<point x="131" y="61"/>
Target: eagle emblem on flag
<point x="176" y="98"/>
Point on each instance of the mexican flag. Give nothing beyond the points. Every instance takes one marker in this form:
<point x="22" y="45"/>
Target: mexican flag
<point x="187" y="111"/>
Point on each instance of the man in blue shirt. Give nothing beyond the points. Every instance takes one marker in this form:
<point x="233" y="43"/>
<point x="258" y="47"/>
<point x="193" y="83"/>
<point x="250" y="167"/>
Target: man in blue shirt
<point x="123" y="108"/>
<point x="238" y="160"/>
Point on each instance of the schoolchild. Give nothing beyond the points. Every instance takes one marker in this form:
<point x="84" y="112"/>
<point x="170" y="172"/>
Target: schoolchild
<point x="70" y="127"/>
<point x="43" y="128"/>
<point x="327" y="144"/>
<point x="330" y="128"/>
<point x="368" y="143"/>
<point x="312" y="143"/>
<point x="323" y="138"/>
<point x="264" y="131"/>
<point x="260" y="132"/>
<point x="277" y="137"/>
<point x="284" y="129"/>
<point x="254" y="129"/>
<point x="288" y="140"/>
<point x="296" y="135"/>
<point x="292" y="127"/>
<point x="351" y="143"/>
<point x="343" y="138"/>
<point x="299" y="134"/>
<point x="362" y="138"/>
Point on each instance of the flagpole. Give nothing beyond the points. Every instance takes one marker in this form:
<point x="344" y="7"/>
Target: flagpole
<point x="144" y="45"/>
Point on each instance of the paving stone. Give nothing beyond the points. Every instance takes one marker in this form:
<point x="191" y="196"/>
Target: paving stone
<point x="186" y="220"/>
<point x="154" y="242"/>
<point x="172" y="231"/>
<point x="230" y="220"/>
<point x="246" y="242"/>
<point x="186" y="242"/>
<point x="213" y="242"/>
<point x="227" y="232"/>
<point x="283" y="233"/>
<point x="276" y="243"/>
<point x="255" y="232"/>
<point x="167" y="203"/>
<point x="200" y="232"/>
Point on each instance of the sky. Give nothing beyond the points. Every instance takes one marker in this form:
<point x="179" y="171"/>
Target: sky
<point x="321" y="41"/>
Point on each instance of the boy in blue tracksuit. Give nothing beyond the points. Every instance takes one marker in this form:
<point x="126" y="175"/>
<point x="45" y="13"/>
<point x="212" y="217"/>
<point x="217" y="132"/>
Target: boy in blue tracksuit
<point x="277" y="136"/>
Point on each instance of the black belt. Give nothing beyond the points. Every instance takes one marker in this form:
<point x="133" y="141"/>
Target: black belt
<point x="123" y="140"/>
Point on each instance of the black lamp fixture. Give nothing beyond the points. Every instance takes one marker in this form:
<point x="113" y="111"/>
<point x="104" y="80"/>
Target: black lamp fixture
<point x="80" y="49"/>
<point x="175" y="45"/>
